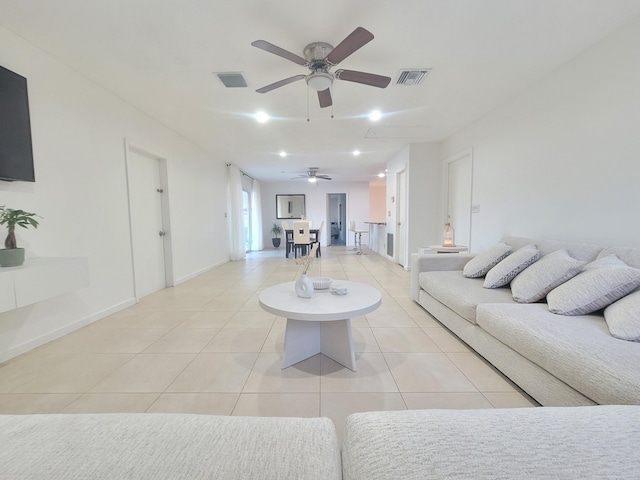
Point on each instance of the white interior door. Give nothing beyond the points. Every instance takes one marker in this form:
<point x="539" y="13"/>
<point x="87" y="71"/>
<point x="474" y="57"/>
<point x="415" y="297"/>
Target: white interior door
<point x="401" y="219"/>
<point x="147" y="232"/>
<point x="459" y="197"/>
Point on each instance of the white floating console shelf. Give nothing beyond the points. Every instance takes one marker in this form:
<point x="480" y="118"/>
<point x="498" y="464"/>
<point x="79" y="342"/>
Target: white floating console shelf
<point x="40" y="279"/>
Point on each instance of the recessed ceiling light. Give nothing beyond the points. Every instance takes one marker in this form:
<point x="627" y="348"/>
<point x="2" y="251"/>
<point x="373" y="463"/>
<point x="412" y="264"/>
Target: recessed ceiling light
<point x="356" y="153"/>
<point x="381" y="175"/>
<point x="375" y="115"/>
<point x="283" y="154"/>
<point x="262" y="117"/>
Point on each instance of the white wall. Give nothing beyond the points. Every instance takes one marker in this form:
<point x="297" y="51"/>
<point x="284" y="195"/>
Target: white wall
<point x="316" y="204"/>
<point x="562" y="160"/>
<point x="79" y="130"/>
<point x="422" y="162"/>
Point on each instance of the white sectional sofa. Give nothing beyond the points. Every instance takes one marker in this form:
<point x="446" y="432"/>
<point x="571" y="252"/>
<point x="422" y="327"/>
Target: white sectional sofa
<point x="542" y="443"/>
<point x="167" y="446"/>
<point x="504" y="444"/>
<point x="560" y="360"/>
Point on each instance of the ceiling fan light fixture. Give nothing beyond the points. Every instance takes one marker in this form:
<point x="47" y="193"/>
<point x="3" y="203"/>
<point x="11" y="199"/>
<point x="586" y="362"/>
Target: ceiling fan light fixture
<point x="319" y="80"/>
<point x="313" y="179"/>
<point x="375" y="115"/>
<point x="262" y="117"/>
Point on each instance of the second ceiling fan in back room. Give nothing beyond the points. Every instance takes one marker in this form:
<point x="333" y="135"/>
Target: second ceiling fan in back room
<point x="320" y="57"/>
<point x="313" y="175"/>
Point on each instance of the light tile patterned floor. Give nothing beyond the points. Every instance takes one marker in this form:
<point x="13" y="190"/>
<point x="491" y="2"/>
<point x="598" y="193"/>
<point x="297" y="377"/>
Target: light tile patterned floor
<point x="207" y="347"/>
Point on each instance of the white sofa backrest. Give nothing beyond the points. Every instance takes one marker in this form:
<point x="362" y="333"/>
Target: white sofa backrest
<point x="630" y="256"/>
<point x="579" y="251"/>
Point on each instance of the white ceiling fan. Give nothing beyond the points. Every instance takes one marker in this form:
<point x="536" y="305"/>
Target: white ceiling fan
<point x="319" y="58"/>
<point x="312" y="175"/>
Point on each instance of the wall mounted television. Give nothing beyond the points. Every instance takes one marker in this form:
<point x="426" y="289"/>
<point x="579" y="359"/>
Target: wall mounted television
<point x="16" y="151"/>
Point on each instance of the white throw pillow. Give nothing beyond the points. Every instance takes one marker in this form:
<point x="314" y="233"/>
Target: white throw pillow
<point x="552" y="270"/>
<point x="479" y="265"/>
<point x="623" y="317"/>
<point x="506" y="270"/>
<point x="602" y="282"/>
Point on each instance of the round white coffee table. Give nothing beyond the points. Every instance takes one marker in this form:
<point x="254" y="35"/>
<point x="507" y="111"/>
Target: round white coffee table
<point x="322" y="323"/>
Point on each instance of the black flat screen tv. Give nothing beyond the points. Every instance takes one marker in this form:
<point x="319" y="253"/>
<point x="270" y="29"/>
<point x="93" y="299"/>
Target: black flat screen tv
<point x="16" y="151"/>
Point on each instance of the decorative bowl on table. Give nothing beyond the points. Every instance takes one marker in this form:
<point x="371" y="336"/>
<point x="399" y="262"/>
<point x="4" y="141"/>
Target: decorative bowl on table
<point x="321" y="283"/>
<point x="339" y="289"/>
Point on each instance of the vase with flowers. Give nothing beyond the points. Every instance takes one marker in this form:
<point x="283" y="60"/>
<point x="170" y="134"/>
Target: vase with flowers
<point x="304" y="285"/>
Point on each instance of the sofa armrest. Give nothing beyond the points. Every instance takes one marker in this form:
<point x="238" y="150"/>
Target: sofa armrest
<point x="429" y="262"/>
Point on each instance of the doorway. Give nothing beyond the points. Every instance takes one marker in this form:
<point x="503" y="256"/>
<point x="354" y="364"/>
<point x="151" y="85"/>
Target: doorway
<point x="459" y="194"/>
<point x="401" y="216"/>
<point x="149" y="222"/>
<point x="337" y="218"/>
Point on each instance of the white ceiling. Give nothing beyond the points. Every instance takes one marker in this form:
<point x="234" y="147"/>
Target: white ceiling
<point x="161" y="55"/>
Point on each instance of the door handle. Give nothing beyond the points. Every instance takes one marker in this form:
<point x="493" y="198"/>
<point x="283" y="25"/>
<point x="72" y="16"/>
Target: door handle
<point x="161" y="233"/>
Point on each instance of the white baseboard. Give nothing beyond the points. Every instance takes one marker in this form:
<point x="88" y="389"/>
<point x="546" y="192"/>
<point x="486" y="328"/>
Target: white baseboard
<point x="186" y="278"/>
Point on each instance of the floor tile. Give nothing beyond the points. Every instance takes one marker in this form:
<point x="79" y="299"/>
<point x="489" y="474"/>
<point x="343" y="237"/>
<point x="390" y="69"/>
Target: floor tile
<point x="427" y="372"/>
<point x="482" y="375"/>
<point x="197" y="403"/>
<point x="269" y="376"/>
<point x="508" y="400"/>
<point x="71" y="373"/>
<point x="373" y="375"/>
<point x="237" y="340"/>
<point x="111" y="403"/>
<point x="465" y="400"/>
<point x="404" y="340"/>
<point x="149" y="372"/>
<point x="446" y="341"/>
<point x="30" y="403"/>
<point x="215" y="372"/>
<point x="183" y="340"/>
<point x="395" y="317"/>
<point x="278" y="405"/>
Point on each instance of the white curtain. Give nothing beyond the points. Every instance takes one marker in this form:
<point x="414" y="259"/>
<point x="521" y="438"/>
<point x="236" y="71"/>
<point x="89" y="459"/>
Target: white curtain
<point x="257" y="242"/>
<point x="237" y="249"/>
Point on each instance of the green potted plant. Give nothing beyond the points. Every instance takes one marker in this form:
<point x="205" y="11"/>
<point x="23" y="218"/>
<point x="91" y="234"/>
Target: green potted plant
<point x="276" y="230"/>
<point x="11" y="255"/>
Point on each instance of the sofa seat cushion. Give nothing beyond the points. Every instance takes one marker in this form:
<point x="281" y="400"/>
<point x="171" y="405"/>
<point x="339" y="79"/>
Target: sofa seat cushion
<point x="502" y="444"/>
<point x="579" y="350"/>
<point x="171" y="446"/>
<point x="461" y="294"/>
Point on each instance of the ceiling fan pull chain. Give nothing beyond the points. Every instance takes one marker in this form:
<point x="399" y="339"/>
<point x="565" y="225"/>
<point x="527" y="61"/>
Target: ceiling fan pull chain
<point x="307" y="103"/>
<point x="332" y="103"/>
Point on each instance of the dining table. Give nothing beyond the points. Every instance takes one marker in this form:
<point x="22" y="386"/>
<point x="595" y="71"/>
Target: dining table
<point x="288" y="235"/>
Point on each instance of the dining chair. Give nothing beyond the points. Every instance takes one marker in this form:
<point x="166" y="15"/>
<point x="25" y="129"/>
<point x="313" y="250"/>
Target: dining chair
<point x="318" y="236"/>
<point x="301" y="237"/>
<point x="288" y="238"/>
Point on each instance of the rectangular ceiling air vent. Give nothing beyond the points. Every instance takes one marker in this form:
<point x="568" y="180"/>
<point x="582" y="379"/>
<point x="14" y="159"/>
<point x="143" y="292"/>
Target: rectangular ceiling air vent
<point x="413" y="76"/>
<point x="232" y="79"/>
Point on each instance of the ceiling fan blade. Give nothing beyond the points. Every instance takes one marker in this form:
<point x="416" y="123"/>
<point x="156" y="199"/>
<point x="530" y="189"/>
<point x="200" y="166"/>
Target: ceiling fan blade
<point x="324" y="177"/>
<point x="280" y="83"/>
<point x="281" y="52"/>
<point x="363" y="77"/>
<point x="356" y="39"/>
<point x="324" y="97"/>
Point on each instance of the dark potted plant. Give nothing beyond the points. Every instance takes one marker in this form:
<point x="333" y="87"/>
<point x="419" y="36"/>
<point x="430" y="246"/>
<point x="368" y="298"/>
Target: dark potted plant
<point x="276" y="230"/>
<point x="11" y="255"/>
